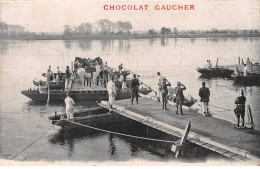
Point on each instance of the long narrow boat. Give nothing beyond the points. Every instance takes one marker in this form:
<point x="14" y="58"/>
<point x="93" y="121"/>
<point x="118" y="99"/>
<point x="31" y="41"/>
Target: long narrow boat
<point x="94" y="95"/>
<point x="186" y="102"/>
<point x="91" y="117"/>
<point x="215" y="72"/>
<point x="250" y="79"/>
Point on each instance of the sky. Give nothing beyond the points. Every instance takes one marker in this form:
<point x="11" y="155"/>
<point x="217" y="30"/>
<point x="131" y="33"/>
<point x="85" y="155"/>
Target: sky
<point x="51" y="16"/>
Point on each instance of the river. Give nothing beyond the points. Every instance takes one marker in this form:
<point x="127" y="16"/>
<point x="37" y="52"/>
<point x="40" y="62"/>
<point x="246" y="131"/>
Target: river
<point x="22" y="121"/>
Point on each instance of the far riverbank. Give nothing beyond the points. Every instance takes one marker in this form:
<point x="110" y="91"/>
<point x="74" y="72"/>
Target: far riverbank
<point x="128" y="36"/>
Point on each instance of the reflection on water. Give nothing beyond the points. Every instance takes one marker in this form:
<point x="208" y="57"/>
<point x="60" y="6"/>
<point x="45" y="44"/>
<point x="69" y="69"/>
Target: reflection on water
<point x="151" y="41"/>
<point x="112" y="147"/>
<point x="164" y="41"/>
<point x="3" y="46"/>
<point x="124" y="45"/>
<point x="67" y="43"/>
<point x="85" y="44"/>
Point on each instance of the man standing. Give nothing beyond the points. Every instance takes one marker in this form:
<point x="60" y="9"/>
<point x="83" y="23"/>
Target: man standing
<point x="164" y="91"/>
<point x="240" y="108"/>
<point x="204" y="94"/>
<point x="159" y="82"/>
<point x="69" y="106"/>
<point x="134" y="89"/>
<point x="67" y="78"/>
<point x="179" y="97"/>
<point x="111" y="88"/>
<point x="248" y="66"/>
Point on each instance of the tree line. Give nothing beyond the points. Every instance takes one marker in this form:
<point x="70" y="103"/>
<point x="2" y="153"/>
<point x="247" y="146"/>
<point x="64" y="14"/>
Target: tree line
<point x="168" y="31"/>
<point x="102" y="26"/>
<point x="7" y="30"/>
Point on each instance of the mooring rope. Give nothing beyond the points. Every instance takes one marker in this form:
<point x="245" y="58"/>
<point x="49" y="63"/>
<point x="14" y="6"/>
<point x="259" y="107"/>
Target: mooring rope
<point x="121" y="134"/>
<point x="32" y="143"/>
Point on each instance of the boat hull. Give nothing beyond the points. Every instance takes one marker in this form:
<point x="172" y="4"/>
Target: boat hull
<point x="215" y="72"/>
<point x="253" y="79"/>
<point x="79" y="96"/>
<point x="90" y="117"/>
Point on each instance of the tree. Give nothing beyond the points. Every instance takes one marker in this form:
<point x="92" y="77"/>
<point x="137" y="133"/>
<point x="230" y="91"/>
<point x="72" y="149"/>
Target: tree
<point x="67" y="30"/>
<point x="175" y="30"/>
<point x="151" y="32"/>
<point x="165" y="30"/>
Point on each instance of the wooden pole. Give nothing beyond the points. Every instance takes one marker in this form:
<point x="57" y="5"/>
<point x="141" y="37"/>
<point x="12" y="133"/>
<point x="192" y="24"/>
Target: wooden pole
<point x="217" y="63"/>
<point x="132" y="72"/>
<point x="184" y="137"/>
<point x="250" y="117"/>
<point x="147" y="86"/>
<point x="48" y="100"/>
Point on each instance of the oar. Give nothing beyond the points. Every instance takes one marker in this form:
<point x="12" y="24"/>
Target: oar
<point x="148" y="87"/>
<point x="132" y="72"/>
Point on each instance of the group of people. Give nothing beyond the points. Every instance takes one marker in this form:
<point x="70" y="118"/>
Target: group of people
<point x="248" y="68"/>
<point x="164" y="91"/>
<point x="87" y="72"/>
<point x="112" y="90"/>
<point x="208" y="65"/>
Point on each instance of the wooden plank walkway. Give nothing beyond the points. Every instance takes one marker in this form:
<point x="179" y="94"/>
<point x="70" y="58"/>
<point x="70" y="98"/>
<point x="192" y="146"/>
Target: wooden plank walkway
<point x="214" y="134"/>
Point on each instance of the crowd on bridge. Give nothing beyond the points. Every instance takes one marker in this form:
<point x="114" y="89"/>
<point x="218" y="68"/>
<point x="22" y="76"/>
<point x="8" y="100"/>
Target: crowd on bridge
<point x="88" y="72"/>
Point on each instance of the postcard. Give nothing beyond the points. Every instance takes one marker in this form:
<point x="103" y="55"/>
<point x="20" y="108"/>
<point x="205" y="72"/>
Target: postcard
<point x="129" y="82"/>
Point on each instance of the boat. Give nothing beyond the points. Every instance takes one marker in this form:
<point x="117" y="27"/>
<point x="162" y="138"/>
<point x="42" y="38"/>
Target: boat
<point x="78" y="90"/>
<point x="61" y="84"/>
<point x="186" y="102"/>
<point x="250" y="79"/>
<point x="215" y="72"/>
<point x="92" y="117"/>
<point x="94" y="95"/>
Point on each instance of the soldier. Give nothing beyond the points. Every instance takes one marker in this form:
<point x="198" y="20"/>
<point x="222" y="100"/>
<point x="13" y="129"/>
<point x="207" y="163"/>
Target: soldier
<point x="204" y="94"/>
<point x="240" y="108"/>
<point x="134" y="89"/>
<point x="179" y="97"/>
<point x="164" y="91"/>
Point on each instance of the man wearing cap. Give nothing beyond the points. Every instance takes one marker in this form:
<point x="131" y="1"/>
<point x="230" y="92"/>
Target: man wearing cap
<point x="179" y="97"/>
<point x="164" y="91"/>
<point x="240" y="108"/>
<point x="159" y="82"/>
<point x="134" y="89"/>
<point x="204" y="94"/>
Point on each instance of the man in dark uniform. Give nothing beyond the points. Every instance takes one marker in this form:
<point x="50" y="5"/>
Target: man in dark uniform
<point x="164" y="92"/>
<point x="134" y="89"/>
<point x="179" y="96"/>
<point x="204" y="94"/>
<point x="240" y="108"/>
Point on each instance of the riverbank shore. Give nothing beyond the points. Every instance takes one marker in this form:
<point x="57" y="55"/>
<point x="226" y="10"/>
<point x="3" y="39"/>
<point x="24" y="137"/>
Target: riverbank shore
<point x="130" y="36"/>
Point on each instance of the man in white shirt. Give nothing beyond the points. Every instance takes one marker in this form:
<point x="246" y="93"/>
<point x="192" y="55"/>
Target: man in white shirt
<point x="248" y="65"/>
<point x="159" y="82"/>
<point x="209" y="65"/>
<point x="41" y="88"/>
<point x="111" y="88"/>
<point x="69" y="106"/>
